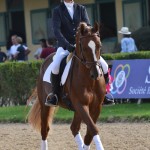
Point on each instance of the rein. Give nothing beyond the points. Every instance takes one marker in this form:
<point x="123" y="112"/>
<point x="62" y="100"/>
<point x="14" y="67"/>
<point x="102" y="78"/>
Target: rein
<point x="82" y="60"/>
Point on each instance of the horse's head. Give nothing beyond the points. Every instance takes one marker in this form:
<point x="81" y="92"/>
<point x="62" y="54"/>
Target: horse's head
<point x="88" y="46"/>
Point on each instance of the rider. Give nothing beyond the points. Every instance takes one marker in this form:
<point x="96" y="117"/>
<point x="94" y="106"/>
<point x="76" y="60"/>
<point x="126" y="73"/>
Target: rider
<point x="66" y="18"/>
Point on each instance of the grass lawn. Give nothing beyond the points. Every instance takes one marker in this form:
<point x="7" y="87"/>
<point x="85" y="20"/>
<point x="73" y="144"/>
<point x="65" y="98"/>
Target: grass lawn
<point x="126" y="112"/>
<point x="116" y="113"/>
<point x="13" y="114"/>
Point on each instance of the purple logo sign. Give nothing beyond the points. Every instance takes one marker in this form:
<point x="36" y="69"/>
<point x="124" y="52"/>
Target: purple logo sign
<point x="131" y="79"/>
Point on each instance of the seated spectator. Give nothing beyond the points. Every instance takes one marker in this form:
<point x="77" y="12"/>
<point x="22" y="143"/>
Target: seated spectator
<point x="50" y="49"/>
<point x="127" y="42"/>
<point x="39" y="50"/>
<point x="3" y="56"/>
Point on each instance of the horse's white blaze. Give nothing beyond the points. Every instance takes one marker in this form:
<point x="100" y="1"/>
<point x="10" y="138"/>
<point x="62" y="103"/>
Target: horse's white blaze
<point x="92" y="44"/>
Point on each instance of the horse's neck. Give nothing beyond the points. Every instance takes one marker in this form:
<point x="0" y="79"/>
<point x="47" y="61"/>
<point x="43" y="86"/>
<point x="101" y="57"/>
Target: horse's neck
<point x="81" y="70"/>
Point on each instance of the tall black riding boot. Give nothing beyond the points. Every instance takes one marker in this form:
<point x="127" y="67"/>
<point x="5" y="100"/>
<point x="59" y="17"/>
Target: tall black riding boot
<point x="107" y="100"/>
<point x="106" y="77"/>
<point x="52" y="98"/>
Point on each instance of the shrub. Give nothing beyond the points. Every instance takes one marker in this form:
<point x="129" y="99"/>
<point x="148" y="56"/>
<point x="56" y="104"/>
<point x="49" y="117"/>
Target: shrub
<point x="17" y="81"/>
<point x="134" y="55"/>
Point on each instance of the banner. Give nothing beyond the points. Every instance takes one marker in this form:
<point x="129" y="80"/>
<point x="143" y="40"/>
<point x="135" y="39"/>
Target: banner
<point x="130" y="78"/>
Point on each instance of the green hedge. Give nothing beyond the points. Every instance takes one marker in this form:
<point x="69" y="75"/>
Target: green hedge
<point x="17" y="79"/>
<point x="120" y="56"/>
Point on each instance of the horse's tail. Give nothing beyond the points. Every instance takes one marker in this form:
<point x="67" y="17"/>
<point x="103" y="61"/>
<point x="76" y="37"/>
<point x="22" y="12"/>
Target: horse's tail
<point x="34" y="115"/>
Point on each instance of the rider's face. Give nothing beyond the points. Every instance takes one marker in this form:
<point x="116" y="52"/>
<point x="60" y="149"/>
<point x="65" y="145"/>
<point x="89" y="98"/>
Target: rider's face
<point x="68" y="1"/>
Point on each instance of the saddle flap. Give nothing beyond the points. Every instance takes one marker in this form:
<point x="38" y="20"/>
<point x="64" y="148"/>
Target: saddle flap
<point x="63" y="72"/>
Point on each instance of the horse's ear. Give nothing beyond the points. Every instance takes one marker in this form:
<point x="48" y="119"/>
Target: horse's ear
<point x="96" y="27"/>
<point x="82" y="28"/>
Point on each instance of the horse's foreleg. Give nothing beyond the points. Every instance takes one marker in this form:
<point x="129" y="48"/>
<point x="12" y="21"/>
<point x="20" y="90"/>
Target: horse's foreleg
<point x="83" y="112"/>
<point x="75" y="127"/>
<point x="44" y="145"/>
<point x="87" y="140"/>
<point x="94" y="113"/>
<point x="91" y="127"/>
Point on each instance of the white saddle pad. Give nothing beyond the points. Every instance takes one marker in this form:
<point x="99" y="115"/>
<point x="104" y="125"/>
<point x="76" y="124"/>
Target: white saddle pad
<point x="47" y="73"/>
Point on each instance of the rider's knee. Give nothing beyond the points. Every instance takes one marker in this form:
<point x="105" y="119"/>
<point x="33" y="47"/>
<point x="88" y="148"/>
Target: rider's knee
<point x="104" y="65"/>
<point x="55" y="67"/>
<point x="105" y="69"/>
<point x="55" y="70"/>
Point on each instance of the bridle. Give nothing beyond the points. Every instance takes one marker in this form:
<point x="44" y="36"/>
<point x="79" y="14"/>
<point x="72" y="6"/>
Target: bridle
<point x="82" y="59"/>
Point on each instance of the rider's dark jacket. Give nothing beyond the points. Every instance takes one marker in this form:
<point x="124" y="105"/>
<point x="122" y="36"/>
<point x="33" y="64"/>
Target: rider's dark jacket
<point x="64" y="26"/>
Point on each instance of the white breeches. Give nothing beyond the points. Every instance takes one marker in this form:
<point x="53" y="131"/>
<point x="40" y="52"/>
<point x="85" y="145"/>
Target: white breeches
<point x="61" y="53"/>
<point x="104" y="65"/>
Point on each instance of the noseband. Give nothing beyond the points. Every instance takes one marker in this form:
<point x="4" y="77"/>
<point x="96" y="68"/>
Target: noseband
<point x="82" y="59"/>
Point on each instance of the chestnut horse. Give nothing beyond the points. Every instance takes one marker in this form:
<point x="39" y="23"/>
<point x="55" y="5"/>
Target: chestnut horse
<point x="85" y="86"/>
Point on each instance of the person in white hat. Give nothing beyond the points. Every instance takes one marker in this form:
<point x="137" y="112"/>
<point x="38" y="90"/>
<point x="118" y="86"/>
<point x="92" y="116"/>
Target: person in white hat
<point x="127" y="42"/>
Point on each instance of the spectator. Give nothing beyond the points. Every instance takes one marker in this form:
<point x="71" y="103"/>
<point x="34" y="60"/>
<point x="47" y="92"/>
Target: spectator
<point x="39" y="50"/>
<point x="14" y="47"/>
<point x="48" y="50"/>
<point x="127" y="42"/>
<point x="3" y="56"/>
<point x="27" y="51"/>
<point x="20" y="55"/>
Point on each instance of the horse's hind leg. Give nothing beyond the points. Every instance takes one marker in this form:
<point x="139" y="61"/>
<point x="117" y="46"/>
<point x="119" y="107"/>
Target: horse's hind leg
<point x="45" y="125"/>
<point x="75" y="127"/>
